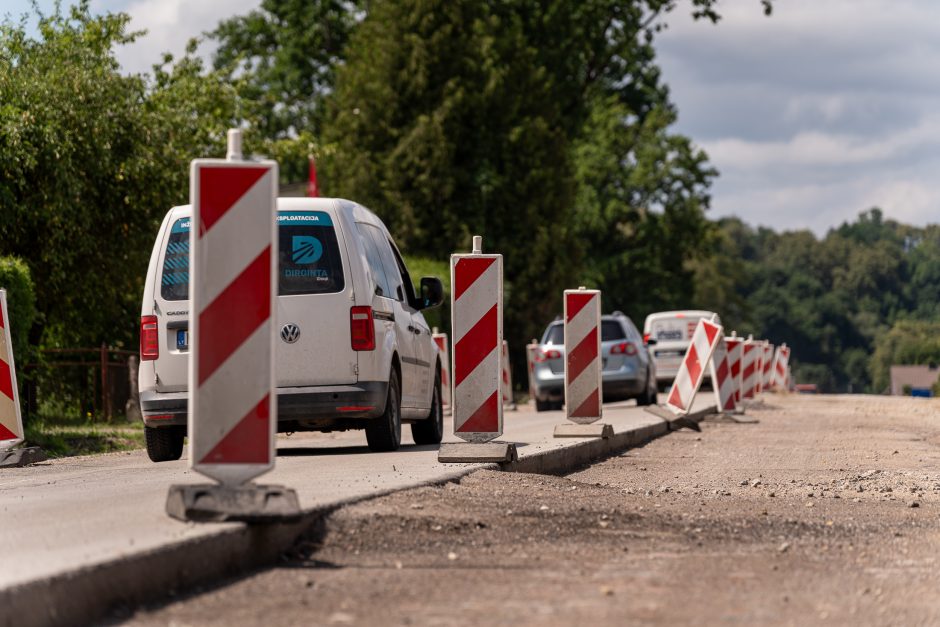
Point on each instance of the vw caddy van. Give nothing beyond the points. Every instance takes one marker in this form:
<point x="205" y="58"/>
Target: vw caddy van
<point x="354" y="350"/>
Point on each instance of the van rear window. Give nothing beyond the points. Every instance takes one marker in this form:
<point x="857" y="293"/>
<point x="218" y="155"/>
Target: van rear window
<point x="309" y="259"/>
<point x="673" y="329"/>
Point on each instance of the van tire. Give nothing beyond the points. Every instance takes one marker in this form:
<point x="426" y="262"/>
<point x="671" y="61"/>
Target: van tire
<point x="384" y="433"/>
<point x="431" y="429"/>
<point x="541" y="405"/>
<point x="164" y="444"/>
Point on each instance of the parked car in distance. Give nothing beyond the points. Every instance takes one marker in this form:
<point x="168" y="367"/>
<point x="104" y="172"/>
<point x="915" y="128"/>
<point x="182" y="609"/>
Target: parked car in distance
<point x="627" y="369"/>
<point x="353" y="351"/>
<point x="669" y="333"/>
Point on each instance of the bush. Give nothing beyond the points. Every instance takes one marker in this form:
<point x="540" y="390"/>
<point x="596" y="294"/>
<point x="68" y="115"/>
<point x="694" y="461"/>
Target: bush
<point x="21" y="304"/>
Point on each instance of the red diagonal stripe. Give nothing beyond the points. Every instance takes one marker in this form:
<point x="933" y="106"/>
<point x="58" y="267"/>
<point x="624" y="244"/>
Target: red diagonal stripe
<point x="735" y="368"/>
<point x="485" y="419"/>
<point x="576" y="303"/>
<point x="749" y="371"/>
<point x="722" y="370"/>
<point x="247" y="442"/>
<point x="674" y="399"/>
<point x="729" y="404"/>
<point x="473" y="347"/>
<point x="220" y="188"/>
<point x="692" y="364"/>
<point x="582" y="355"/>
<point x="234" y="315"/>
<point x="467" y="271"/>
<point x="6" y="434"/>
<point x="6" y="380"/>
<point x="711" y="331"/>
<point x="440" y="342"/>
<point x="2" y="323"/>
<point x="591" y="407"/>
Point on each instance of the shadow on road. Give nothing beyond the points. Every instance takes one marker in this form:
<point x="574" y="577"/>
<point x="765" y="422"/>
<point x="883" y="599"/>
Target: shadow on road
<point x="310" y="451"/>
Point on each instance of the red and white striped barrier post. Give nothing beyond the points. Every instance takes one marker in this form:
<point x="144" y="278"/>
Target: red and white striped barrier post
<point x="233" y="292"/>
<point x="692" y="371"/>
<point x="767" y="381"/>
<point x="530" y="352"/>
<point x="11" y="418"/>
<point x="751" y="351"/>
<point x="759" y="367"/>
<point x="440" y="339"/>
<point x="781" y="367"/>
<point x="583" y="383"/>
<point x="722" y="378"/>
<point x="735" y="347"/>
<point x="506" y="375"/>
<point x="477" y="327"/>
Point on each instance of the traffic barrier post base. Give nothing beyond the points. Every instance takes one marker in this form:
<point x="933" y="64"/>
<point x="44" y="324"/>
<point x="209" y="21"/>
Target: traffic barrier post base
<point x="592" y="430"/>
<point x="19" y="457"/>
<point x="471" y="453"/>
<point x="250" y="503"/>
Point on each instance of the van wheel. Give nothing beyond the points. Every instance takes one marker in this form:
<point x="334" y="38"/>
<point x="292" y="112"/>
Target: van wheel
<point x="542" y="405"/>
<point x="431" y="429"/>
<point x="164" y="444"/>
<point x="384" y="433"/>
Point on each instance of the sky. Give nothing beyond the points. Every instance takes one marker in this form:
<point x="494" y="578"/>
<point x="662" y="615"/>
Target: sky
<point x="811" y="116"/>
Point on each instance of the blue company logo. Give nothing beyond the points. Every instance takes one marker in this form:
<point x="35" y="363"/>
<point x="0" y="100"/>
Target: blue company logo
<point x="305" y="249"/>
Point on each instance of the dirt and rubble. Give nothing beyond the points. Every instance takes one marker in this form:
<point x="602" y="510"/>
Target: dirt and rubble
<point x="809" y="510"/>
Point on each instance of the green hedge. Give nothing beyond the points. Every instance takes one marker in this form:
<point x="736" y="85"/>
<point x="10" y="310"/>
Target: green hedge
<point x="21" y="304"/>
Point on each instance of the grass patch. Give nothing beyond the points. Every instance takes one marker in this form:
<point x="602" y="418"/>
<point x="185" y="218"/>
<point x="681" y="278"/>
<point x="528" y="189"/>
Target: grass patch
<point x="58" y="440"/>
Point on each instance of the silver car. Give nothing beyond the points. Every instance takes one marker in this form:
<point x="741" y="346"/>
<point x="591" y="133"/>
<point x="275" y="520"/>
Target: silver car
<point x="628" y="370"/>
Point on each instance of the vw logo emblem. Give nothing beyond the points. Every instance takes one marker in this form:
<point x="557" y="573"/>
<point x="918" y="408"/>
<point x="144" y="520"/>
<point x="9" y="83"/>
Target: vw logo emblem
<point x="290" y="332"/>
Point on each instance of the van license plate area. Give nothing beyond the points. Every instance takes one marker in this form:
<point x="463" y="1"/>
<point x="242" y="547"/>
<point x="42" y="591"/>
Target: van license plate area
<point x="182" y="339"/>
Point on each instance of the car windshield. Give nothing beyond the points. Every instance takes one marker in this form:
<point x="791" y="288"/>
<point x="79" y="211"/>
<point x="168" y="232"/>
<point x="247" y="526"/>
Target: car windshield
<point x="308" y="257"/>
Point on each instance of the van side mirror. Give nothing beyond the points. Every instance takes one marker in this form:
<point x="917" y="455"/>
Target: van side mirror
<point x="432" y="292"/>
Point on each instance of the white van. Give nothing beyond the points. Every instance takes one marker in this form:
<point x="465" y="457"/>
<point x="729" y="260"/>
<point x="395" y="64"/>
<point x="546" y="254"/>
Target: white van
<point x="355" y="351"/>
<point x="668" y="334"/>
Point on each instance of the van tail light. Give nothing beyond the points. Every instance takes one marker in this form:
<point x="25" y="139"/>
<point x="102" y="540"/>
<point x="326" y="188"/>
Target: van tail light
<point x="149" y="340"/>
<point x="362" y="329"/>
<point x="646" y="338"/>
<point x="543" y="355"/>
<point x="623" y="348"/>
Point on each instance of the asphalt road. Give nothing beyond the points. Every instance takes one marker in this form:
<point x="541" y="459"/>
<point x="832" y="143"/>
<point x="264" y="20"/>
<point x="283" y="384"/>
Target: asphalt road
<point x="79" y="512"/>
<point x="824" y="511"/>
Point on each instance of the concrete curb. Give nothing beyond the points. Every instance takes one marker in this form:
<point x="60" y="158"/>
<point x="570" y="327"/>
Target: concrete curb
<point x="88" y="594"/>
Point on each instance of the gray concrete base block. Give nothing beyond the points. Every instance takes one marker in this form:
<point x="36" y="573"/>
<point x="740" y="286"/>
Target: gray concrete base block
<point x="661" y="411"/>
<point x="19" y="457"/>
<point x="471" y="452"/>
<point x="584" y="431"/>
<point x="250" y="503"/>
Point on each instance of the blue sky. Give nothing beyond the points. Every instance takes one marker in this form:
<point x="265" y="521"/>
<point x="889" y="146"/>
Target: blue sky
<point x="811" y="116"/>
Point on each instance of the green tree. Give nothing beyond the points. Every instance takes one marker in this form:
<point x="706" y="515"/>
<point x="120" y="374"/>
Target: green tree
<point x="90" y="161"/>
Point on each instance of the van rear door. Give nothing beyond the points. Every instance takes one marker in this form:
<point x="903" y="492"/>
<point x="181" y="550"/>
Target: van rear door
<point x="171" y="297"/>
<point x="314" y="344"/>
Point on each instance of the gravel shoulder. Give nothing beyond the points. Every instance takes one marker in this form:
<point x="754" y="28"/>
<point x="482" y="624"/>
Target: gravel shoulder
<point x="822" y="511"/>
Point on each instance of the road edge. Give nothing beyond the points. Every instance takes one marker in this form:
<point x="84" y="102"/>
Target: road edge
<point x="90" y="593"/>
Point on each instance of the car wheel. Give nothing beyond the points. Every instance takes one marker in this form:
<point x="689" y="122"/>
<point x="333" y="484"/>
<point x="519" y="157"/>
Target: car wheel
<point x="542" y="405"/>
<point x="431" y="429"/>
<point x="649" y="394"/>
<point x="384" y="433"/>
<point x="164" y="444"/>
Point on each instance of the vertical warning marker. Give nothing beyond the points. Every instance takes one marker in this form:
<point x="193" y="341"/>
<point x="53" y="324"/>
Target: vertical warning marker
<point x="722" y="378"/>
<point x="477" y="328"/>
<point x="735" y="347"/>
<point x="11" y="418"/>
<point x="233" y="291"/>
<point x="583" y="385"/>
<point x="440" y="339"/>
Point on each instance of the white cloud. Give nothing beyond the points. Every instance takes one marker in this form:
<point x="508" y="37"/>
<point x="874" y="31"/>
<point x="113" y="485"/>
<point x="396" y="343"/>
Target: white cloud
<point x="170" y="24"/>
<point x="816" y="113"/>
